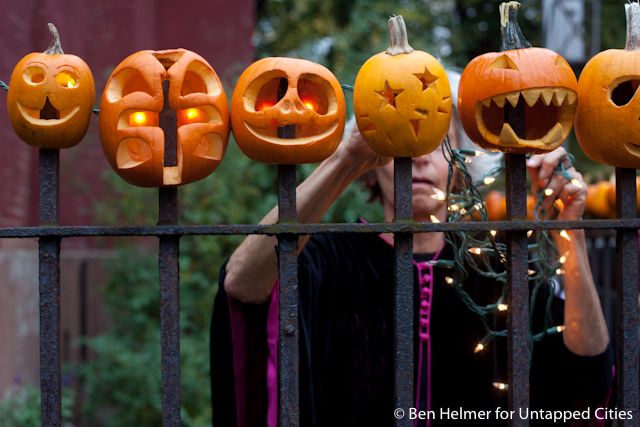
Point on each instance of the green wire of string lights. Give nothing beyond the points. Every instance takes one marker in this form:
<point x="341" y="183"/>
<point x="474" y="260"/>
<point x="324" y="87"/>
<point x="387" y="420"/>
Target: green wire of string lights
<point x="483" y="254"/>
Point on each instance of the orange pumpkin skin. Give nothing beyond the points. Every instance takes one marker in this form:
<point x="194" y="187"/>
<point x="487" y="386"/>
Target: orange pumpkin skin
<point x="312" y="104"/>
<point x="136" y="151"/>
<point x="59" y="82"/>
<point x="398" y="114"/>
<point x="402" y="98"/>
<point x="609" y="131"/>
<point x="541" y="77"/>
<point x="598" y="203"/>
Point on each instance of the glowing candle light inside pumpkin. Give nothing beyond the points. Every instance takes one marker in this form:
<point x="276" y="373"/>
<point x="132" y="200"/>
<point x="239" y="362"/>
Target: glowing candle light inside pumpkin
<point x="137" y="119"/>
<point x="192" y="114"/>
<point x="263" y="105"/>
<point x="309" y="105"/>
<point x="71" y="82"/>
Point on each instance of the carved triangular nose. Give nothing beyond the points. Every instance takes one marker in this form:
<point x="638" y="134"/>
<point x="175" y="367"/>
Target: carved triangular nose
<point x="48" y="111"/>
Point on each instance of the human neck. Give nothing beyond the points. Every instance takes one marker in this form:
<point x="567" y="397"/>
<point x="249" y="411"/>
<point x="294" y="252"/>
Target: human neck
<point x="423" y="243"/>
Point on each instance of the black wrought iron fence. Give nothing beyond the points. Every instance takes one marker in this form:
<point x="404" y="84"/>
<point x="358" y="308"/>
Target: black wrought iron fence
<point x="169" y="231"/>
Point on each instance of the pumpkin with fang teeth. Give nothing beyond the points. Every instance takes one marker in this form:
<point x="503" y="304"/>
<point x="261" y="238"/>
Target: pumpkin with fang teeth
<point x="178" y="90"/>
<point x="608" y="116"/>
<point x="287" y="111"/>
<point x="50" y="97"/>
<point x="539" y="82"/>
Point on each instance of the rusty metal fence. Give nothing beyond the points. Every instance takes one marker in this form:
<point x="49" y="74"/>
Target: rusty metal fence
<point x="169" y="231"/>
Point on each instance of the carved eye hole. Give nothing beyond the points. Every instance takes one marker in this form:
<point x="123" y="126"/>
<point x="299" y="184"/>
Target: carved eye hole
<point x="270" y="93"/>
<point x="137" y="119"/>
<point x="314" y="94"/>
<point x="191" y="115"/>
<point x="34" y="75"/>
<point x="624" y="92"/>
<point x="504" y="62"/>
<point x="67" y="79"/>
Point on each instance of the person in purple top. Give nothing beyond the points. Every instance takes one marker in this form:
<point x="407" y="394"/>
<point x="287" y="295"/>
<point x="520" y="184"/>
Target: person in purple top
<point x="346" y="312"/>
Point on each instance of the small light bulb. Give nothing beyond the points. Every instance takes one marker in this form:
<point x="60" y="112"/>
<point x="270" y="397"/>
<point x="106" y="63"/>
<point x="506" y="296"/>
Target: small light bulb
<point x="475" y="251"/>
<point x="463" y="211"/>
<point x="560" y="328"/>
<point x="562" y="259"/>
<point x="454" y="207"/>
<point x="529" y="233"/>
<point x="449" y="280"/>
<point x="493" y="233"/>
<point x="468" y="160"/>
<point x="502" y="307"/>
<point x="438" y="194"/>
<point x="577" y="183"/>
<point x="479" y="348"/>
<point x="532" y="272"/>
<point x="548" y="192"/>
<point x="559" y="272"/>
<point x="489" y="180"/>
<point x="565" y="235"/>
<point x="500" y="386"/>
<point x="435" y="219"/>
<point x="479" y="153"/>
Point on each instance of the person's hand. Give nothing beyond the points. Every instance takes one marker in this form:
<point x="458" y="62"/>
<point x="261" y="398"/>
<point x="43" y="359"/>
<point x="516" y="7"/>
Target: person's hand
<point x="572" y="192"/>
<point x="355" y="151"/>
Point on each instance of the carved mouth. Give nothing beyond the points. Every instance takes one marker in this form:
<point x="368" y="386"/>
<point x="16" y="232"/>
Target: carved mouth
<point x="300" y="130"/>
<point x="548" y="117"/>
<point x="633" y="148"/>
<point x="48" y="115"/>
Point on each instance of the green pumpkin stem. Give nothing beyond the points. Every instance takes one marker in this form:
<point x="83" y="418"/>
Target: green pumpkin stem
<point x="398" y="39"/>
<point x="54" y="47"/>
<point x="511" y="35"/>
<point x="632" y="11"/>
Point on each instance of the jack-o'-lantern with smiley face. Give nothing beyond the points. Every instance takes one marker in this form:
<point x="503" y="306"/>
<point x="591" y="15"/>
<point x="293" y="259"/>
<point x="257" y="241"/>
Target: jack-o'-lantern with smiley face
<point x="50" y="97"/>
<point x="164" y="119"/>
<point x="608" y="116"/>
<point x="402" y="98"/>
<point x="287" y="111"/>
<point x="536" y="83"/>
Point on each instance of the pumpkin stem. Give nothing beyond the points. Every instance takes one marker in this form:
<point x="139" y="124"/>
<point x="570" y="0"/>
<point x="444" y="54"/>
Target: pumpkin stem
<point x="398" y="39"/>
<point x="511" y="35"/>
<point x="54" y="47"/>
<point x="632" y="11"/>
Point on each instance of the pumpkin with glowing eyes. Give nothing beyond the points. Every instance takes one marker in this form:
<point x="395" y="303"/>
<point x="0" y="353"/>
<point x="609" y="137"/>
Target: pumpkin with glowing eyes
<point x="287" y="111"/>
<point x="153" y="92"/>
<point x="402" y="98"/>
<point x="538" y="82"/>
<point x="608" y="116"/>
<point x="50" y="97"/>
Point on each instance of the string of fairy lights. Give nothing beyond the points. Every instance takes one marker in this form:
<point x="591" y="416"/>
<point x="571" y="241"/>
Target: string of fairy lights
<point x="483" y="254"/>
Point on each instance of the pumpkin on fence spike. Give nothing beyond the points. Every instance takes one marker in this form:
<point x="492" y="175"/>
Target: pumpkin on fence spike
<point x="608" y="117"/>
<point x="402" y="98"/>
<point x="51" y="97"/>
<point x="539" y="83"/>
<point x="287" y="111"/>
<point x="130" y="111"/>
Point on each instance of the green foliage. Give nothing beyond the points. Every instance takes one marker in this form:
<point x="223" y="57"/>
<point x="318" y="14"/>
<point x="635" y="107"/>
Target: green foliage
<point x="20" y="407"/>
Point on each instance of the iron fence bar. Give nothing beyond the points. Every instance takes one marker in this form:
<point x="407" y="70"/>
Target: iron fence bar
<point x="403" y="290"/>
<point x="517" y="288"/>
<point x="49" y="284"/>
<point x="288" y="357"/>
<point x="627" y="345"/>
<point x="169" y="269"/>
<point x="301" y="229"/>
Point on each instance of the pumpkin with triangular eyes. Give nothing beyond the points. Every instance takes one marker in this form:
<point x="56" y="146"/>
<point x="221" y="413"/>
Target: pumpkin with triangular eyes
<point x="539" y="82"/>
<point x="51" y="97"/>
<point x="608" y="117"/>
<point x="153" y="92"/>
<point x="402" y="98"/>
<point x="287" y="111"/>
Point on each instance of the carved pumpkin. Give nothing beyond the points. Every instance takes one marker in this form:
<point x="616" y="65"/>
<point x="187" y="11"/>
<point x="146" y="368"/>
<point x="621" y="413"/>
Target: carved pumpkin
<point x="496" y="206"/>
<point x="608" y="116"/>
<point x="402" y="98"/>
<point x="132" y="109"/>
<point x="536" y="83"/>
<point x="50" y="97"/>
<point x="287" y="111"/>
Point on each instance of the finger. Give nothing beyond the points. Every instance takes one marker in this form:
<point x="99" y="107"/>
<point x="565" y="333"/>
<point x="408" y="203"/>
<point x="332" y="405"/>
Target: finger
<point x="551" y="191"/>
<point x="549" y="163"/>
